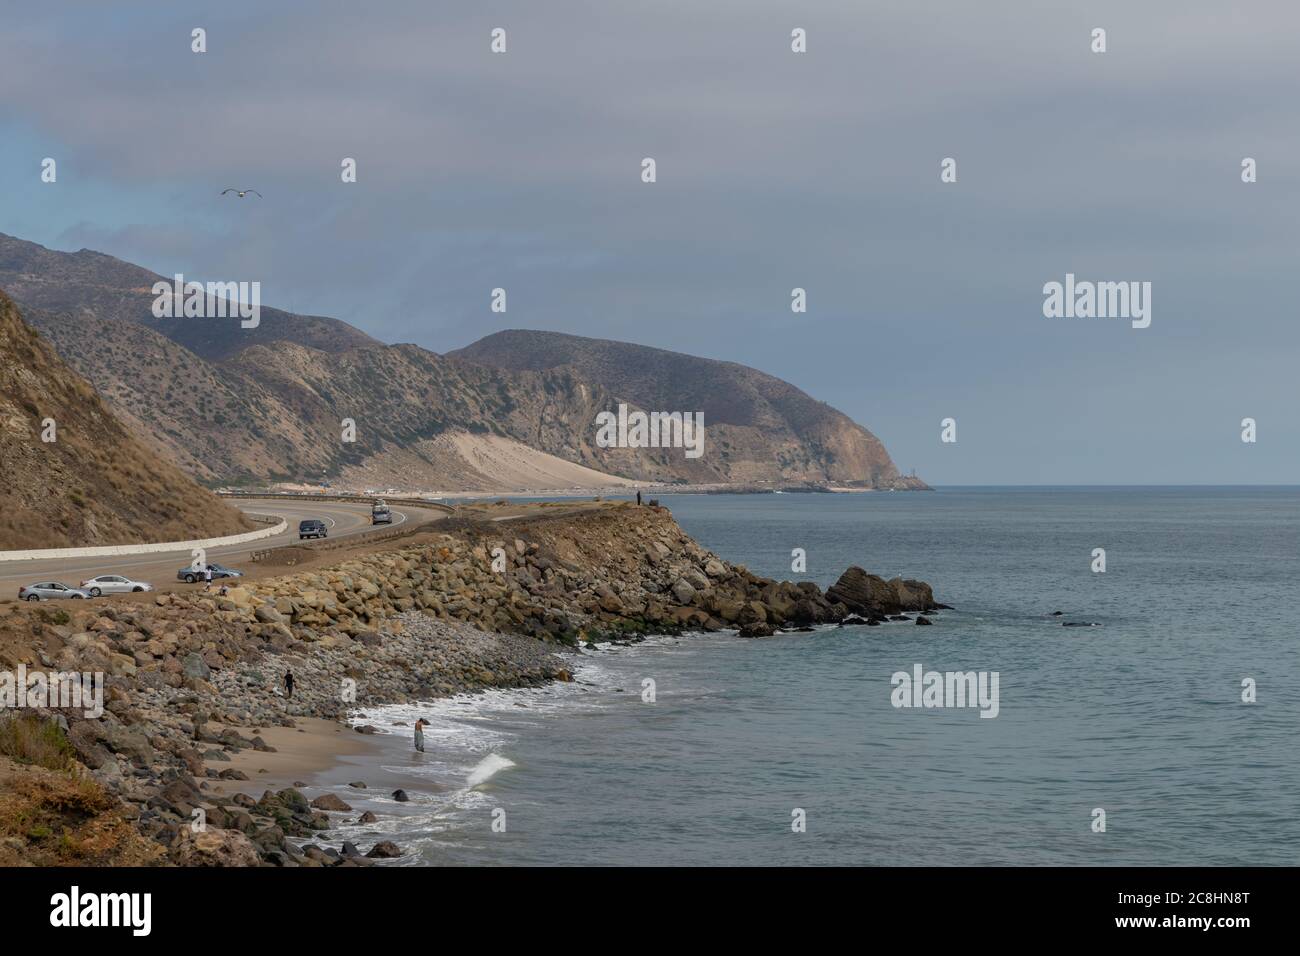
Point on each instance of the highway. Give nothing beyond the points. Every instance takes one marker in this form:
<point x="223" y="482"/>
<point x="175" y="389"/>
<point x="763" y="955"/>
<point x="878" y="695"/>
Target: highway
<point x="344" y="520"/>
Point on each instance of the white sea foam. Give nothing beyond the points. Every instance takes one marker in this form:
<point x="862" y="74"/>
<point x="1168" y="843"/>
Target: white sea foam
<point x="488" y="768"/>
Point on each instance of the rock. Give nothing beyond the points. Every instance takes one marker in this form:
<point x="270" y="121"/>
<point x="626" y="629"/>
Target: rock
<point x="268" y="615"/>
<point x="923" y="620"/>
<point x="195" y="666"/>
<point x="367" y="817"/>
<point x="367" y="729"/>
<point x="912" y="595"/>
<point x="358" y="784"/>
<point x="695" y="579"/>
<point x="400" y="796"/>
<point x="714" y="568"/>
<point x="290" y="798"/>
<point x="213" y="847"/>
<point x="866" y="594"/>
<point x="683" y="591"/>
<point x="384" y="849"/>
<point x="329" y="801"/>
<point x="757" y="629"/>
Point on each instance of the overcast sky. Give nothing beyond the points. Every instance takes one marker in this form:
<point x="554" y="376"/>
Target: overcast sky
<point x="775" y="170"/>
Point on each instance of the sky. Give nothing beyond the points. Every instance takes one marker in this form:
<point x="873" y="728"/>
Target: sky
<point x="775" y="170"/>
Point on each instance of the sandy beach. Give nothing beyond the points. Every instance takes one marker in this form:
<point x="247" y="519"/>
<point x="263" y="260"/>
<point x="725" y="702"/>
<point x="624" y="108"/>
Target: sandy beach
<point x="308" y="752"/>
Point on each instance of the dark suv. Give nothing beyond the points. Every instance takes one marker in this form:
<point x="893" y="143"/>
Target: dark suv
<point x="312" y="528"/>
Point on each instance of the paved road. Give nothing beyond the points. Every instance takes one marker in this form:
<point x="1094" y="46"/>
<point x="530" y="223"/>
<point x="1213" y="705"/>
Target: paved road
<point x="344" y="519"/>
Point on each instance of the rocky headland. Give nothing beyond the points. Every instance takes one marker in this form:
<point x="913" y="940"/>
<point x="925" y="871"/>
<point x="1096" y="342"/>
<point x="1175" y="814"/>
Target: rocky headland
<point x="193" y="678"/>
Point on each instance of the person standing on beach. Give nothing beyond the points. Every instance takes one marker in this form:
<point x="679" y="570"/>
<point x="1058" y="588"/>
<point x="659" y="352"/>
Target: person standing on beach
<point x="638" y="497"/>
<point x="419" y="735"/>
<point x="288" y="683"/>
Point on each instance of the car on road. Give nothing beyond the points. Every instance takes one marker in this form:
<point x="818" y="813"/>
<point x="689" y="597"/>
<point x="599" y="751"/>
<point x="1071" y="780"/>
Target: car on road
<point x="189" y="575"/>
<point x="113" y="584"/>
<point x="379" y="513"/>
<point x="50" y="591"/>
<point x="312" y="528"/>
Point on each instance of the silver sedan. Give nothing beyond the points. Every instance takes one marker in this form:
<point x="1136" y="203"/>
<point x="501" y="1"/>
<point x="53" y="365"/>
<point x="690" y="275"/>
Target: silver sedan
<point x="113" y="584"/>
<point x="49" y="591"/>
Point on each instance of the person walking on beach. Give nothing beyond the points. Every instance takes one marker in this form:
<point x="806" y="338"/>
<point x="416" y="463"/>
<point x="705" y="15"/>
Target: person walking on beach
<point x="288" y="683"/>
<point x="419" y="735"/>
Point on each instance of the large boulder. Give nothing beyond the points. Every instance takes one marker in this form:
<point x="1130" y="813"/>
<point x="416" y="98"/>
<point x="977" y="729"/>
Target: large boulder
<point x="195" y="666"/>
<point x="912" y="595"/>
<point x="330" y="801"/>
<point x="213" y="847"/>
<point x="871" y="595"/>
<point x="863" y="593"/>
<point x="683" y="591"/>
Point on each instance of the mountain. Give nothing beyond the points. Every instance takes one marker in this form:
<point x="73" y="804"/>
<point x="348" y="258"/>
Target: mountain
<point x="512" y="412"/>
<point x="94" y="484"/>
<point x="88" y="283"/>
<point x="761" y="428"/>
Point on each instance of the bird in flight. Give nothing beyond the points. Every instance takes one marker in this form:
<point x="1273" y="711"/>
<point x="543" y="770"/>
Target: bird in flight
<point x="241" y="192"/>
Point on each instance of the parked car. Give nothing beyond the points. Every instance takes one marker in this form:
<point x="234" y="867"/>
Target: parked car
<point x="113" y="584"/>
<point x="189" y="575"/>
<point x="379" y="514"/>
<point x="50" y="591"/>
<point x="312" y="528"/>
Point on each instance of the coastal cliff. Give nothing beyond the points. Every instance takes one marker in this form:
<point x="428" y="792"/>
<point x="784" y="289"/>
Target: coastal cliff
<point x="193" y="678"/>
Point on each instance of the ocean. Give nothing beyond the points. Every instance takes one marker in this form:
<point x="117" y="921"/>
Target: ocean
<point x="1140" y="716"/>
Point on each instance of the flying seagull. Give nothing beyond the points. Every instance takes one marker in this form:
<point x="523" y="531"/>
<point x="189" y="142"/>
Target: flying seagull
<point x="241" y="192"/>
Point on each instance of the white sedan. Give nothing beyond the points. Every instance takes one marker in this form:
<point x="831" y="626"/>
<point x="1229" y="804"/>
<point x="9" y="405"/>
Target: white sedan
<point x="113" y="584"/>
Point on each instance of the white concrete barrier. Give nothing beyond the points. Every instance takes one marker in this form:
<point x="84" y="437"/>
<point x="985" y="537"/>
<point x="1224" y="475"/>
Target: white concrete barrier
<point x="121" y="550"/>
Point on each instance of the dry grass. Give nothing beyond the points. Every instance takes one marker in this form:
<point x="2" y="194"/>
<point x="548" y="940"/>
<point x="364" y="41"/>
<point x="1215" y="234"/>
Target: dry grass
<point x="28" y="739"/>
<point x="65" y="818"/>
<point x="95" y="484"/>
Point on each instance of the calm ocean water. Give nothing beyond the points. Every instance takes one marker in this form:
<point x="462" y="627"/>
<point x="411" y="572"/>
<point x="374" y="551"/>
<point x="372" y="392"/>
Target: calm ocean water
<point x="1141" y="716"/>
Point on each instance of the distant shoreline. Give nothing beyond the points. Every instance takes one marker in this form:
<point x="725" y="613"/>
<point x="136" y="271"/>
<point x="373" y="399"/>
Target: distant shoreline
<point x="606" y="491"/>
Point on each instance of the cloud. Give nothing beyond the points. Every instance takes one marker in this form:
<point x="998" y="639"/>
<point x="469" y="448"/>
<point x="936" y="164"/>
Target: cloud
<point x="775" y="170"/>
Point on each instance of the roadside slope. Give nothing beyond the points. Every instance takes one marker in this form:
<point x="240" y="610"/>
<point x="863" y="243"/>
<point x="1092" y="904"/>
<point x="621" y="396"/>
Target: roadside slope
<point x="95" y="484"/>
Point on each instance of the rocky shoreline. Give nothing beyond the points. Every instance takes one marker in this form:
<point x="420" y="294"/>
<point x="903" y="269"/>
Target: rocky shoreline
<point x="192" y="677"/>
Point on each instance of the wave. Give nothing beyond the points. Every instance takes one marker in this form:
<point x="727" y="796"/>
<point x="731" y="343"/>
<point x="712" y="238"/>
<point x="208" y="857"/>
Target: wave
<point x="488" y="768"/>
